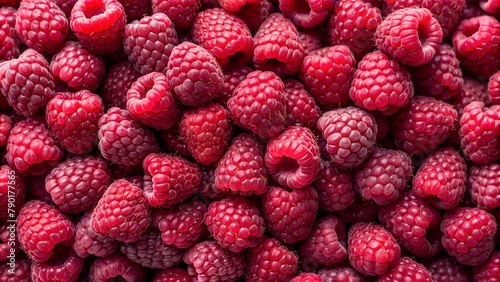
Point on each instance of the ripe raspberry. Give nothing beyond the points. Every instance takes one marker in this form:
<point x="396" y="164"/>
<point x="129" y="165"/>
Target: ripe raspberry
<point x="407" y="270"/>
<point x="26" y="82"/>
<point x="150" y="101"/>
<point x="193" y="74"/>
<point x="472" y="90"/>
<point x="12" y="186"/>
<point x="255" y="13"/>
<point x="476" y="43"/>
<point x="242" y="167"/>
<point x="206" y="132"/>
<point x="131" y="216"/>
<point x="66" y="6"/>
<point x="301" y="109"/>
<point x="372" y="249"/>
<point x="136" y="9"/>
<point x="98" y="24"/>
<point x="64" y="264"/>
<point x="41" y="25"/>
<point x="334" y="186"/>
<point x="173" y="142"/>
<point x="22" y="271"/>
<point x="471" y="10"/>
<point x="307" y="277"/>
<point x="494" y="88"/>
<point x="277" y="46"/>
<point x="445" y="268"/>
<point x="310" y="40"/>
<point x="224" y="35"/>
<point x="208" y="189"/>
<point x="116" y="265"/>
<point x="9" y="247"/>
<point x="181" y="12"/>
<point x="489" y="271"/>
<point x="116" y="83"/>
<point x="86" y="242"/>
<point x="340" y="273"/>
<point x="31" y="149"/>
<point x="172" y="274"/>
<point x="290" y="214"/>
<point x="169" y="180"/>
<point x="9" y="42"/>
<point x="483" y="184"/>
<point x="327" y="75"/>
<point x="5" y="127"/>
<point x="123" y="140"/>
<point x="233" y="6"/>
<point x="208" y="261"/>
<point x="271" y="261"/>
<point x="350" y="134"/>
<point x="306" y="14"/>
<point x="232" y="78"/>
<point x="148" y="43"/>
<point x="468" y="234"/>
<point x="259" y="104"/>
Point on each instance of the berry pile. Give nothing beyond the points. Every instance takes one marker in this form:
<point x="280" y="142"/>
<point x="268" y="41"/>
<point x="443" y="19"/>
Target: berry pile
<point x="249" y="140"/>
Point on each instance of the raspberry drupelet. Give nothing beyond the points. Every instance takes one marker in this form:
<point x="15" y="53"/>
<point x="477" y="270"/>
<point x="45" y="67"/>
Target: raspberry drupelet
<point x="116" y="83"/>
<point x="307" y="277"/>
<point x="181" y="12"/>
<point x="407" y="270"/>
<point x="172" y="274"/>
<point x="64" y="264"/>
<point x="308" y="13"/>
<point x="86" y="242"/>
<point x="301" y="109"/>
<point x="483" y="185"/>
<point x="116" y="265"/>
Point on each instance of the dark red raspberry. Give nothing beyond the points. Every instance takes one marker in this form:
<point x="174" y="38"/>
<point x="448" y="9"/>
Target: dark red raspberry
<point x="42" y="228"/>
<point x="116" y="83"/>
<point x="255" y="13"/>
<point x="476" y="43"/>
<point x="350" y="134"/>
<point x="277" y="46"/>
<point x="383" y="125"/>
<point x="9" y="41"/>
<point x="99" y="24"/>
<point x="472" y="90"/>
<point x="372" y="249"/>
<point x="9" y="244"/>
<point x="445" y="268"/>
<point x="169" y="180"/>
<point x="136" y="9"/>
<point x="489" y="271"/>
<point x="123" y="140"/>
<point x="172" y="274"/>
<point x="327" y="75"/>
<point x="494" y="88"/>
<point x="301" y="109"/>
<point x="86" y="242"/>
<point x="172" y="140"/>
<point x="21" y="273"/>
<point x="208" y="261"/>
<point x="64" y="264"/>
<point x="206" y="131"/>
<point x="340" y="273"/>
<point x="225" y="36"/>
<point x="12" y="193"/>
<point x="36" y="188"/>
<point x="308" y="13"/>
<point x="150" y="101"/>
<point x="5" y="127"/>
<point x="310" y="39"/>
<point x="271" y="261"/>
<point x="181" y="12"/>
<point x="242" y="167"/>
<point x="471" y="10"/>
<point x="208" y="188"/>
<point x="232" y="78"/>
<point x="468" y="234"/>
<point x="26" y="82"/>
<point x="290" y="214"/>
<point x="131" y="215"/>
<point x="334" y="186"/>
<point x="148" y="43"/>
<point x="116" y="265"/>
<point x="407" y="270"/>
<point x="66" y="6"/>
<point x="483" y="184"/>
<point x="233" y="6"/>
<point x="307" y="277"/>
<point x="193" y="74"/>
<point x="259" y="104"/>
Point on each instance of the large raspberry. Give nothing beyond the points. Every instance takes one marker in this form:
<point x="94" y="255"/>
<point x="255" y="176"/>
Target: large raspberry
<point x="489" y="271"/>
<point x="340" y="273"/>
<point x="334" y="186"/>
<point x="301" y="109"/>
<point x="484" y="185"/>
<point x="407" y="270"/>
<point x="116" y="265"/>
<point x="64" y="264"/>
<point x="232" y="78"/>
<point x="308" y="13"/>
<point x="446" y="269"/>
<point x="86" y="242"/>
<point x="181" y="12"/>
<point x="12" y="193"/>
<point x="9" y="42"/>
<point x="116" y="83"/>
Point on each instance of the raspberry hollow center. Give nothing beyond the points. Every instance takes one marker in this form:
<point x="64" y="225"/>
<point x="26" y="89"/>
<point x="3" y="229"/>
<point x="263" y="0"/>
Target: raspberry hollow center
<point x="59" y="256"/>
<point x="94" y="8"/>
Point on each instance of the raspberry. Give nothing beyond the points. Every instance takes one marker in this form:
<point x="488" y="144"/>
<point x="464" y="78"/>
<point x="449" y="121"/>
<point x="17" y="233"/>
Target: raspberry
<point x="169" y="180"/>
<point x="65" y="6"/>
<point x="150" y="101"/>
<point x="271" y="261"/>
<point x="383" y="125"/>
<point x="327" y="75"/>
<point x="491" y="7"/>
<point x="334" y="186"/>
<point x="64" y="265"/>
<point x="5" y="127"/>
<point x="193" y="74"/>
<point x="301" y="109"/>
<point x="350" y="134"/>
<point x="422" y="125"/>
<point x="9" y="41"/>
<point x="21" y="273"/>
<point x="340" y="273"/>
<point x="477" y="45"/>
<point x="446" y="269"/>
<point x="472" y="90"/>
<point x="290" y="214"/>
<point x="8" y="245"/>
<point x="116" y="265"/>
<point x="148" y="43"/>
<point x="483" y="185"/>
<point x="233" y="6"/>
<point x="41" y="229"/>
<point x="98" y="24"/>
<point x="173" y="142"/>
<point x="86" y="242"/>
<point x="208" y="189"/>
<point x="372" y="249"/>
<point x="73" y="118"/>
<point x="468" y="234"/>
<point x="206" y="132"/>
<point x="471" y="10"/>
<point x="411" y="36"/>
<point x="136" y="9"/>
<point x="181" y="12"/>
<point x="27" y="83"/>
<point x="254" y="14"/>
<point x="41" y="25"/>
<point x="31" y="149"/>
<point x="12" y="186"/>
<point x="242" y="167"/>
<point x="277" y="46"/>
<point x="123" y="140"/>
<point x="308" y="13"/>
<point x="489" y="271"/>
<point x="307" y="277"/>
<point x="494" y="88"/>
<point x="407" y="270"/>
<point x="130" y="212"/>
<point x="208" y="261"/>
<point x="36" y="188"/>
<point x="232" y="78"/>
<point x="224" y="35"/>
<point x="259" y="104"/>
<point x="310" y="40"/>
<point x="116" y="83"/>
<point x="173" y="274"/>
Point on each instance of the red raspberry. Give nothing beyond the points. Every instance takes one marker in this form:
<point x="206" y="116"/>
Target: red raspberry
<point x="407" y="270"/>
<point x="5" y="127"/>
<point x="350" y="134"/>
<point x="468" y="234"/>
<point x="234" y="6"/>
<point x="12" y="187"/>
<point x="340" y="273"/>
<point x="232" y="78"/>
<point x="206" y="132"/>
<point x="173" y="274"/>
<point x="9" y="247"/>
<point x="173" y="142"/>
<point x="136" y="9"/>
<point x="411" y="36"/>
<point x="334" y="186"/>
<point x="492" y="7"/>
<point x="169" y="180"/>
<point x="116" y="83"/>
<point x="150" y="101"/>
<point x="254" y="14"/>
<point x="9" y="42"/>
<point x="483" y="184"/>
<point x="116" y="265"/>
<point x="225" y="36"/>
<point x="383" y="125"/>
<point x="307" y="277"/>
<point x="380" y="83"/>
<point x="327" y="75"/>
<point x="471" y="10"/>
<point x="98" y="24"/>
<point x="64" y="264"/>
<point x="277" y="46"/>
<point x="477" y="45"/>
<point x="242" y="167"/>
<point x="372" y="249"/>
<point x="86" y="242"/>
<point x="31" y="149"/>
<point x="36" y="188"/>
<point x="208" y="261"/>
<point x="479" y="132"/>
<point x="208" y="189"/>
<point x="494" y="88"/>
<point x="22" y="271"/>
<point x="310" y="40"/>
<point x="148" y="43"/>
<point x="123" y="140"/>
<point x="290" y="214"/>
<point x="181" y="12"/>
<point x="26" y="82"/>
<point x="41" y="229"/>
<point x="193" y="74"/>
<point x="259" y="104"/>
<point x="309" y="13"/>
<point x="445" y="268"/>
<point x="271" y="261"/>
<point x="66" y="6"/>
<point x="472" y="90"/>
<point x="489" y="271"/>
<point x="131" y="216"/>
<point x="301" y="109"/>
<point x="41" y="25"/>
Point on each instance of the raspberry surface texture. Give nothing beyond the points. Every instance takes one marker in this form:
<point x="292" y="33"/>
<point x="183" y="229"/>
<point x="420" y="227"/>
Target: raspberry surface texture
<point x="65" y="265"/>
<point x="489" y="271"/>
<point x="116" y="265"/>
<point x="182" y="13"/>
<point x="86" y="242"/>
<point x="334" y="186"/>
<point x="116" y="83"/>
<point x="306" y="14"/>
<point x="301" y="108"/>
<point x="407" y="270"/>
<point x="483" y="185"/>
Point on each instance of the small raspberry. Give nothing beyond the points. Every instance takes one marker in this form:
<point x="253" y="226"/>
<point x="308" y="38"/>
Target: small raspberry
<point x="64" y="265"/>
<point x="9" y="41"/>
<point x="254" y="14"/>
<point x="86" y="242"/>
<point x="445" y="268"/>
<point x="116" y="83"/>
<point x="232" y="78"/>
<point x="407" y="270"/>
<point x="489" y="271"/>
<point x="494" y="88"/>
<point x="21" y="273"/>
<point x="173" y="142"/>
<point x="310" y="40"/>
<point x="116" y="265"/>
<point x="307" y="13"/>
<point x="208" y="188"/>
<point x="340" y="273"/>
<point x="12" y="193"/>
<point x="483" y="184"/>
<point x="136" y="9"/>
<point x="307" y="277"/>
<point x="181" y="12"/>
<point x="301" y="109"/>
<point x="334" y="186"/>
<point x="172" y="274"/>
